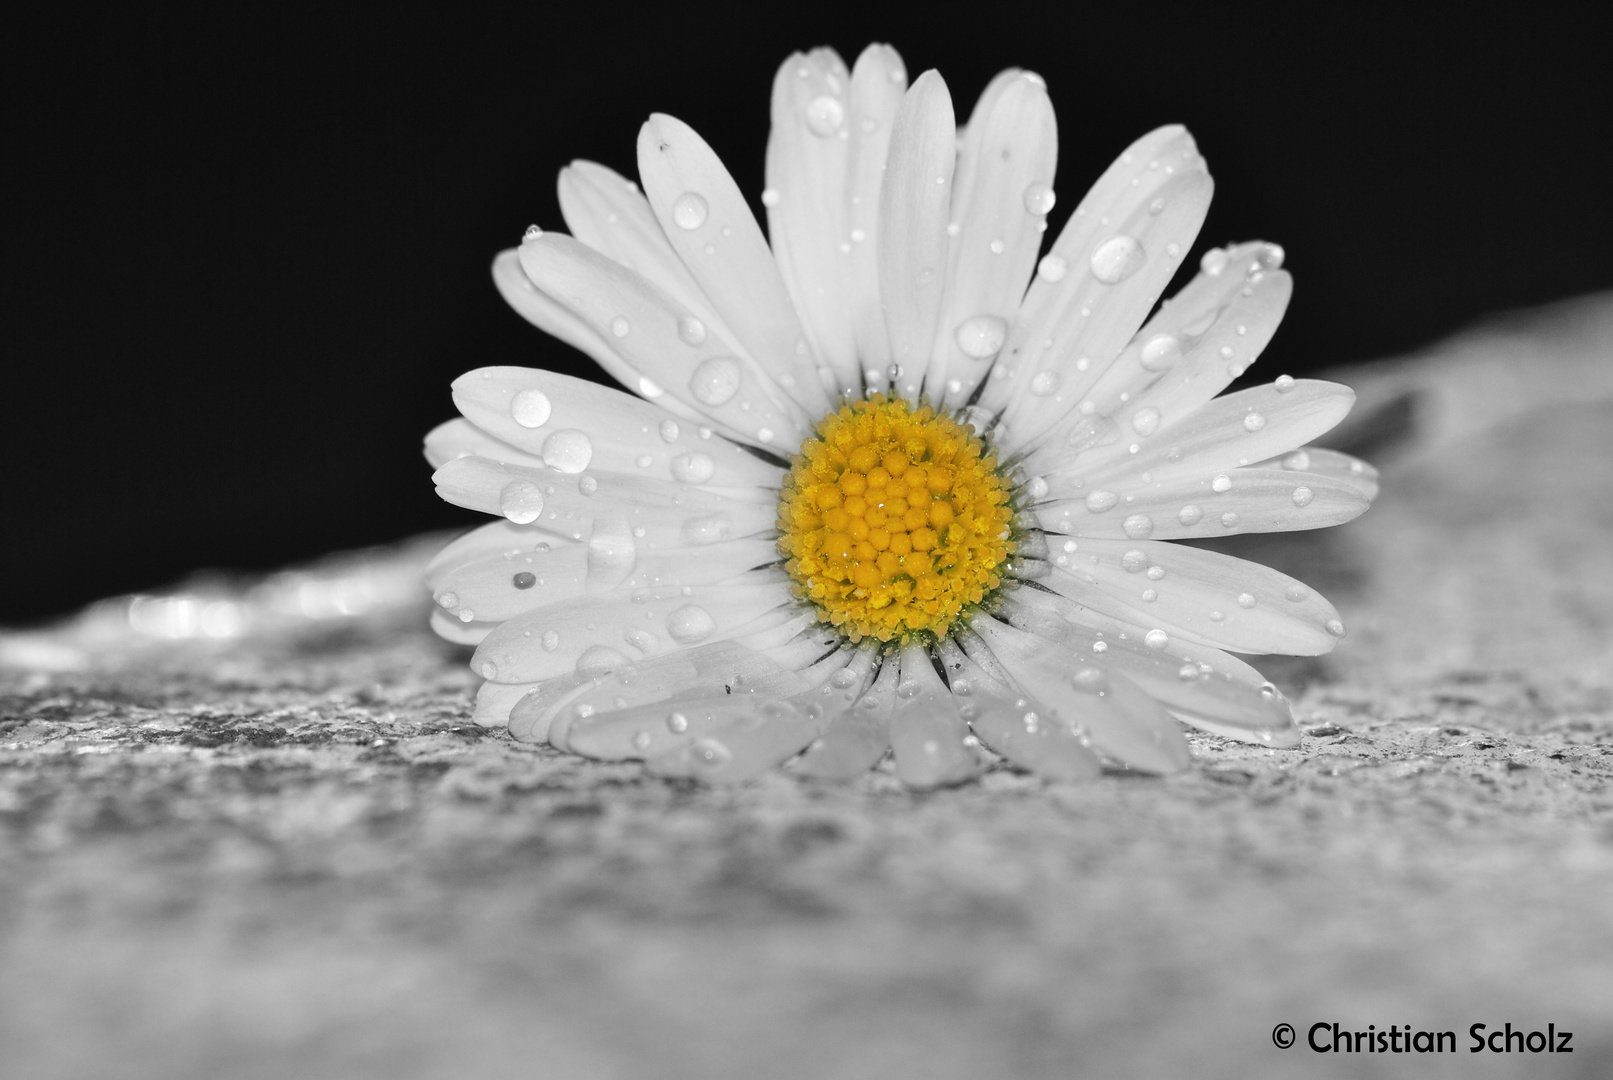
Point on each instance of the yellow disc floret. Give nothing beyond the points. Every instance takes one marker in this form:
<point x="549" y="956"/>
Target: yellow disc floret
<point x="893" y="521"/>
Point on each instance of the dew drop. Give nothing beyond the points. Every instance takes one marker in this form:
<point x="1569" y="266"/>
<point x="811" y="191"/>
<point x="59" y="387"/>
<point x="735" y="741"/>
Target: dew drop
<point x="532" y="233"/>
<point x="669" y="431"/>
<point x="587" y="485"/>
<point x="1298" y="461"/>
<point x="1100" y="646"/>
<point x="570" y="451"/>
<point x="1134" y="561"/>
<point x="1091" y="680"/>
<point x="1284" y="383"/>
<point x="1156" y="207"/>
<point x="1039" y="198"/>
<point x="550" y="641"/>
<point x="530" y="408"/>
<point x="770" y="197"/>
<point x="1156" y="639"/>
<point x="764" y="435"/>
<point x="1214" y="261"/>
<point x="467" y="615"/>
<point x="1253" y="422"/>
<point x="1221" y="484"/>
<point x="824" y="115"/>
<point x="1229" y="519"/>
<point x="707" y="530"/>
<point x="648" y="388"/>
<point x="1335" y="628"/>
<point x="710" y="754"/>
<point x="1138" y="526"/>
<point x="982" y="336"/>
<point x="1053" y="267"/>
<point x="1218" y="616"/>
<point x="1045" y="382"/>
<point x="1190" y="514"/>
<point x="1036" y="487"/>
<point x="693" y="468"/>
<point x="1117" y="259"/>
<point x="1270" y="257"/>
<point x="521" y="501"/>
<point x="524" y="580"/>
<point x="489" y="669"/>
<point x="1099" y="501"/>
<point x="641" y="740"/>
<point x="644" y="461"/>
<point x="1161" y="352"/>
<point x="1246" y="600"/>
<point x="1187" y="672"/>
<point x="715" y="381"/>
<point x="1303" y="496"/>
<point x="1145" y="421"/>
<point x="619" y="327"/>
<point x="448" y="600"/>
<point x="689" y="210"/>
<point x="1296" y="593"/>
<point x="677" y="723"/>
<point x="691" y="331"/>
<point x="600" y="660"/>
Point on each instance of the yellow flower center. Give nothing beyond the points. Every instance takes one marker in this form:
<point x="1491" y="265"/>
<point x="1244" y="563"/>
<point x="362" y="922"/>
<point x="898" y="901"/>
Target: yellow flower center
<point x="893" y="521"/>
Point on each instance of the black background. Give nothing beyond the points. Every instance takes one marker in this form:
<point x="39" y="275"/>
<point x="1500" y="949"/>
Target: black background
<point x="249" y="254"/>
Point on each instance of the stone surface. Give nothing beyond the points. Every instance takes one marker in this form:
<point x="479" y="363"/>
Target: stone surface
<point x="294" y="854"/>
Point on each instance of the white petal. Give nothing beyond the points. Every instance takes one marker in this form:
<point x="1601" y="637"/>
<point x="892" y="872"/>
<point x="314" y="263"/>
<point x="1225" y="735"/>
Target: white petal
<point x="807" y="154"/>
<point x="525" y="407"/>
<point x="927" y="733"/>
<point x="1196" y="344"/>
<point x="460" y="438"/>
<point x="595" y="634"/>
<point x="552" y="317"/>
<point x="1010" y="721"/>
<point x="1227" y="433"/>
<point x="709" y="224"/>
<point x="460" y="632"/>
<point x="1203" y="596"/>
<point x="1120" y="253"/>
<point x="1202" y="686"/>
<point x="1090" y="693"/>
<point x="1001" y="196"/>
<point x="504" y="585"/>
<point x="668" y="700"/>
<point x="494" y="702"/>
<point x="914" y="203"/>
<point x="878" y="83"/>
<point x="1256" y="500"/>
<point x="642" y="323"/>
<point x="856" y="739"/>
<point x="1315" y="461"/>
<point x="494" y="538"/>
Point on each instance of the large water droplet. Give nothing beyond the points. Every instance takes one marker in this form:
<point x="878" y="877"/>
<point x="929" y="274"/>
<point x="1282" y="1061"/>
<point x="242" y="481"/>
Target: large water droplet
<point x="707" y="530"/>
<point x="693" y="468"/>
<point x="1161" y="352"/>
<point x="1284" y="383"/>
<point x="1246" y="600"/>
<point x="1221" y="484"/>
<point x="1117" y="259"/>
<point x="1138" y="526"/>
<point x="669" y="431"/>
<point x="1190" y="514"/>
<point x="612" y="553"/>
<point x="1091" y="680"/>
<point x="532" y="233"/>
<point x="1099" y="501"/>
<point x="1156" y="639"/>
<point x="550" y="641"/>
<point x="824" y="115"/>
<point x="1053" y="267"/>
<point x="1214" y="261"/>
<point x="1335" y="628"/>
<point x="715" y="381"/>
<point x="587" y="485"/>
<point x="689" y="210"/>
<point x="599" y="660"/>
<point x="1039" y="198"/>
<point x="1145" y="421"/>
<point x="691" y="331"/>
<point x="1303" y="496"/>
<point x="677" y="723"/>
<point x="489" y="669"/>
<point x="569" y="451"/>
<point x="448" y="600"/>
<point x="521" y="501"/>
<point x="690" y="623"/>
<point x="982" y="336"/>
<point x="530" y="408"/>
<point x="1253" y="422"/>
<point x="1036" y="487"/>
<point x="770" y="197"/>
<point x="1045" y="383"/>
<point x="1134" y="561"/>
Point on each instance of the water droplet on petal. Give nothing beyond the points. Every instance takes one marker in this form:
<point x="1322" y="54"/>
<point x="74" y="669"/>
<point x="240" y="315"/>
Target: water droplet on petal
<point x="550" y="641"/>
<point x="1036" y="487"/>
<point x="530" y="408"/>
<point x="1156" y="639"/>
<point x="1100" y="646"/>
<point x="770" y="197"/>
<point x="587" y="485"/>
<point x="707" y="530"/>
<point x="532" y="233"/>
<point x="1284" y="383"/>
<point x="1187" y="672"/>
<point x="1156" y="207"/>
<point x="710" y="754"/>
<point x="1253" y="422"/>
<point x="1099" y="501"/>
<point x="1145" y="421"/>
<point x="648" y="388"/>
<point x="1335" y="628"/>
<point x="1045" y="383"/>
<point x="669" y="431"/>
<point x="1091" y="680"/>
<point x="1246" y="600"/>
<point x="689" y="210"/>
<point x="693" y="468"/>
<point x="691" y="331"/>
<point x="982" y="336"/>
<point x="1270" y="257"/>
<point x="715" y="381"/>
<point x="1117" y="259"/>
<point x="1138" y="526"/>
<point x="1160" y="352"/>
<point x="521" y="501"/>
<point x="600" y="660"/>
<point x="569" y="451"/>
<point x="1190" y="514"/>
<point x="824" y="115"/>
<point x="1039" y="198"/>
<point x="1134" y="561"/>
<point x="489" y="669"/>
<point x="1296" y="593"/>
<point x="619" y="327"/>
<point x="1053" y="267"/>
<point x="677" y="723"/>
<point x="1303" y="496"/>
<point x="524" y="580"/>
<point x="1222" y="483"/>
<point x="1214" y="261"/>
<point x="1229" y="519"/>
<point x="1298" y="461"/>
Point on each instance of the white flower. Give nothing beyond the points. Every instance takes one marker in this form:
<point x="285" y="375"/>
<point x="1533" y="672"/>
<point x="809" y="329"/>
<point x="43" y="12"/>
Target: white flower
<point x="792" y="538"/>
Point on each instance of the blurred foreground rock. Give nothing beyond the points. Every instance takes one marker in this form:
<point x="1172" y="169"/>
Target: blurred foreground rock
<point x="291" y="854"/>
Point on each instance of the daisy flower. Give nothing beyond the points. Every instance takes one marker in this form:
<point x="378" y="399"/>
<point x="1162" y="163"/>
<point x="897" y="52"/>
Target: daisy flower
<point x="893" y="479"/>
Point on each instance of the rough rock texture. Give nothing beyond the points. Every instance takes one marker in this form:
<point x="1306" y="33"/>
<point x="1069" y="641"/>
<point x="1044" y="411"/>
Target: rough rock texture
<point x="295" y="856"/>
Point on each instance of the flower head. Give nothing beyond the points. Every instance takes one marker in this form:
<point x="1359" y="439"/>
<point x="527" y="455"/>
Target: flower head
<point x="897" y="479"/>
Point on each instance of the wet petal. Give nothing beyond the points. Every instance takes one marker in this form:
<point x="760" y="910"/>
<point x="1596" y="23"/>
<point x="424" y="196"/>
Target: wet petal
<point x="1254" y="500"/>
<point x="460" y="438"/>
<point x="555" y="319"/>
<point x="856" y="739"/>
<point x="932" y="742"/>
<point x="878" y="84"/>
<point x="1010" y="721"/>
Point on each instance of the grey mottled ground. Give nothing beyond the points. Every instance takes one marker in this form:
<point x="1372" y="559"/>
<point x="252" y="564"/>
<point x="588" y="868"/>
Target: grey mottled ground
<point x="297" y="857"/>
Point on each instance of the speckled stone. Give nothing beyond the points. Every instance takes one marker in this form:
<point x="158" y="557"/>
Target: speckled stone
<point x="297" y="856"/>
